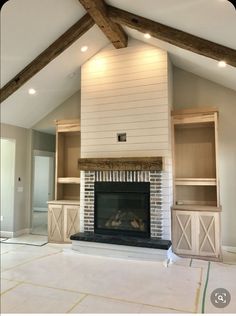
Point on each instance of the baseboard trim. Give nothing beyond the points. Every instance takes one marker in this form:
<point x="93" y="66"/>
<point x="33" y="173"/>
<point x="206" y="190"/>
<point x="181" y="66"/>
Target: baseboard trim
<point x="229" y="248"/>
<point x="4" y="234"/>
<point x="22" y="232"/>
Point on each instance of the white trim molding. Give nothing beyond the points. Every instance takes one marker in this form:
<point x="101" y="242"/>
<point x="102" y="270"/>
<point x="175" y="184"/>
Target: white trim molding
<point x="229" y="249"/>
<point x="5" y="234"/>
<point x="18" y="233"/>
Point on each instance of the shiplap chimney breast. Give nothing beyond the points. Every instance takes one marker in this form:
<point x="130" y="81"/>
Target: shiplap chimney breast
<point x="125" y="91"/>
<point x="128" y="91"/>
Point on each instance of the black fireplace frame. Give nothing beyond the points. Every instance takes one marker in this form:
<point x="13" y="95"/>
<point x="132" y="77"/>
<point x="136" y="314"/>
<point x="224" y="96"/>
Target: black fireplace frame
<point x="115" y="187"/>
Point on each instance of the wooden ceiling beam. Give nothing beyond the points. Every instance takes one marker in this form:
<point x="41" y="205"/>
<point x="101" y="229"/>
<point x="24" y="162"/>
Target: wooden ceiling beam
<point x="50" y="53"/>
<point x="113" y="31"/>
<point x="173" y="36"/>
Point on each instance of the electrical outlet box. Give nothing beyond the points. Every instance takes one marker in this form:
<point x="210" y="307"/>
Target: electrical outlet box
<point x="121" y="137"/>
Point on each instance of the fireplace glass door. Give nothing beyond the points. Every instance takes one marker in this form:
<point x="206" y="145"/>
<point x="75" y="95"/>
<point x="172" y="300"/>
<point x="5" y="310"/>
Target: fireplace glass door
<point x="122" y="208"/>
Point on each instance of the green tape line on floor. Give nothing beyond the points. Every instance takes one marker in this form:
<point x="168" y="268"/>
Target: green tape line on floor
<point x="205" y="288"/>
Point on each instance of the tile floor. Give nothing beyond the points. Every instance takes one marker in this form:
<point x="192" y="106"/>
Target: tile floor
<point x="54" y="279"/>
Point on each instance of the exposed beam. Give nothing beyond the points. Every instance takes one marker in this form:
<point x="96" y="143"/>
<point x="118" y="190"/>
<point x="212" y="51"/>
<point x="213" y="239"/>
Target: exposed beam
<point x="114" y="32"/>
<point x="50" y="53"/>
<point x="173" y="36"/>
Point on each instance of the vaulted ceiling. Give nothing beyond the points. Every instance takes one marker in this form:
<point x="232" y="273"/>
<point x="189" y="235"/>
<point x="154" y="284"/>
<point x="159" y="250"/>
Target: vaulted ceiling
<point x="28" y="27"/>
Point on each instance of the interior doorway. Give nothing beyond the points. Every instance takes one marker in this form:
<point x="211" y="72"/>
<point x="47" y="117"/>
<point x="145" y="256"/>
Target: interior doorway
<point x="43" y="190"/>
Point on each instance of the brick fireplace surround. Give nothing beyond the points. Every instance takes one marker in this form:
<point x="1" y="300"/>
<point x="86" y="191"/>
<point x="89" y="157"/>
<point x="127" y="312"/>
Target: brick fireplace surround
<point x="159" y="197"/>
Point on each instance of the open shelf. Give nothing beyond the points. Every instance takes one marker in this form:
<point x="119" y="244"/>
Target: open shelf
<point x="68" y="153"/>
<point x="68" y="191"/>
<point x="196" y="195"/>
<point x="195" y="181"/>
<point x="68" y="180"/>
<point x="195" y="163"/>
<point x="197" y="208"/>
<point x="195" y="152"/>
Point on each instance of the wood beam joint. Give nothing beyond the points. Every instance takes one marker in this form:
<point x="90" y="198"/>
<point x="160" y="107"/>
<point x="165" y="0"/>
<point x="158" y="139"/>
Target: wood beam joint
<point x="113" y="31"/>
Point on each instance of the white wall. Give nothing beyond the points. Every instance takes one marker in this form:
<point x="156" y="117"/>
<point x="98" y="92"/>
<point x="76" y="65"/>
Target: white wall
<point x="125" y="91"/>
<point x="128" y="91"/>
<point x="69" y="109"/>
<point x="43" y="141"/>
<point x="194" y="91"/>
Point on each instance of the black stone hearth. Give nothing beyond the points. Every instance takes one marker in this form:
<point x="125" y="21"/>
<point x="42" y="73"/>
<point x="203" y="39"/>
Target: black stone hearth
<point x="123" y="240"/>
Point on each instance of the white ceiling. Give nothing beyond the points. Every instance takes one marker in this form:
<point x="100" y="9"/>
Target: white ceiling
<point x="214" y="20"/>
<point x="30" y="26"/>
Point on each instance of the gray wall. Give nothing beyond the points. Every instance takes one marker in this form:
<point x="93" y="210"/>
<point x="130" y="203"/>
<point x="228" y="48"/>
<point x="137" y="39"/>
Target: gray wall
<point x="7" y="183"/>
<point x="20" y="218"/>
<point x="43" y="141"/>
<point x="70" y="109"/>
<point x="26" y="141"/>
<point x="194" y="91"/>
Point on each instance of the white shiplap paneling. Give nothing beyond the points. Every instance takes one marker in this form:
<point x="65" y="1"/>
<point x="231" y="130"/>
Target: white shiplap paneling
<point x="125" y="91"/>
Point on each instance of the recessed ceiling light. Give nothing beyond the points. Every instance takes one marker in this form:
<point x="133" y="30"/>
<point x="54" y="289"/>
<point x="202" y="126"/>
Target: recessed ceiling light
<point x="84" y="49"/>
<point x="222" y="64"/>
<point x="147" y="35"/>
<point x="31" y="91"/>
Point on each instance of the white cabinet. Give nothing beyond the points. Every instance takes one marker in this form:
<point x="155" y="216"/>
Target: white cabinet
<point x="196" y="233"/>
<point x="63" y="221"/>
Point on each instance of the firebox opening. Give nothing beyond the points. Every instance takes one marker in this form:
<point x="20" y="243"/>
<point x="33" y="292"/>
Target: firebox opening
<point x="122" y="208"/>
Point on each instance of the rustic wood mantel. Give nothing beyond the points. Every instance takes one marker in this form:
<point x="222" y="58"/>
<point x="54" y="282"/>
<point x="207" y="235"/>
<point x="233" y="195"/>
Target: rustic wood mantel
<point x="129" y="164"/>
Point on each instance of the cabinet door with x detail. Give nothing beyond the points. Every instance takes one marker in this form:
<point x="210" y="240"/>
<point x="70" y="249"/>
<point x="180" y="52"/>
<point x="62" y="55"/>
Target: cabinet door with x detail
<point x="55" y="223"/>
<point x="208" y="227"/>
<point x="71" y="221"/>
<point x="183" y="230"/>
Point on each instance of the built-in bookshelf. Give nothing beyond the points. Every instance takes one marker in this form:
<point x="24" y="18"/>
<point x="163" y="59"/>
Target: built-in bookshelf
<point x="64" y="211"/>
<point x="196" y="207"/>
